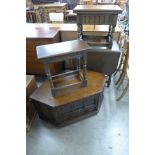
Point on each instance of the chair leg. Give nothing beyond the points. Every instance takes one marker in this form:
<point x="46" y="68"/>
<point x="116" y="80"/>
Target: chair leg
<point x="121" y="80"/>
<point x="119" y="67"/>
<point x="124" y="91"/>
<point x="123" y="73"/>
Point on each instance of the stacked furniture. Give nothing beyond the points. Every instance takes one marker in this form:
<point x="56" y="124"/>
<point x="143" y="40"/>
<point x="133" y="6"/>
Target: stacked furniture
<point x="69" y="96"/>
<point x="62" y="51"/>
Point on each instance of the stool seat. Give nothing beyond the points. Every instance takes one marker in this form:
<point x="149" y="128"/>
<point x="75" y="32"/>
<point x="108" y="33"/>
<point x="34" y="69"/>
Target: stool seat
<point x="62" y="51"/>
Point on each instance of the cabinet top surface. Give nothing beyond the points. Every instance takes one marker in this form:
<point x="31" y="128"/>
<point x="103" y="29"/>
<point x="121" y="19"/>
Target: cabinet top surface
<point x="60" y="49"/>
<point x="97" y="8"/>
<point x="95" y="85"/>
<point x="41" y="32"/>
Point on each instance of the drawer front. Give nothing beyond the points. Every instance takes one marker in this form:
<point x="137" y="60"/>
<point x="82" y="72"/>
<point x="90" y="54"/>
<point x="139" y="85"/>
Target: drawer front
<point x="97" y="19"/>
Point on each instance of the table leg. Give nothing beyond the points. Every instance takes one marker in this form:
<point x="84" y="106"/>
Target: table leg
<point x="80" y="34"/>
<point x="110" y="35"/>
<point x="48" y="73"/>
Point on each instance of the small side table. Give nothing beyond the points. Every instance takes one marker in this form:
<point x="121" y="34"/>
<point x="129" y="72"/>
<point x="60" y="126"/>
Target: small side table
<point x="62" y="51"/>
<point x="97" y="15"/>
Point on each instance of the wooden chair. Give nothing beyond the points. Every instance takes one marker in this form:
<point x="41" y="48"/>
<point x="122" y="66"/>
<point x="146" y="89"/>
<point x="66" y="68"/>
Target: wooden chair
<point x="122" y="42"/>
<point x="32" y="17"/>
<point x="123" y="69"/>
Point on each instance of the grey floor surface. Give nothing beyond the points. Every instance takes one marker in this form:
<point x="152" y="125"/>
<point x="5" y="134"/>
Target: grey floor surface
<point x="103" y="134"/>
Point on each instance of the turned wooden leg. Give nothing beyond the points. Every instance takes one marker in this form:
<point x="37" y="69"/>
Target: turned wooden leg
<point x="48" y="73"/>
<point x="85" y="69"/>
<point x="80" y="33"/>
<point x="110" y="36"/>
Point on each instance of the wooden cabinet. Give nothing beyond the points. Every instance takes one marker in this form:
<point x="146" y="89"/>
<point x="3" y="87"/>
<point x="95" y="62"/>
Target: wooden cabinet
<point x="74" y="105"/>
<point x="36" y="36"/>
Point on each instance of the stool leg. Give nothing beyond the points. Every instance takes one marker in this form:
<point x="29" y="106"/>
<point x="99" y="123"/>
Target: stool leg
<point x="110" y="36"/>
<point x="80" y="34"/>
<point x="48" y="73"/>
<point x="85" y="69"/>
